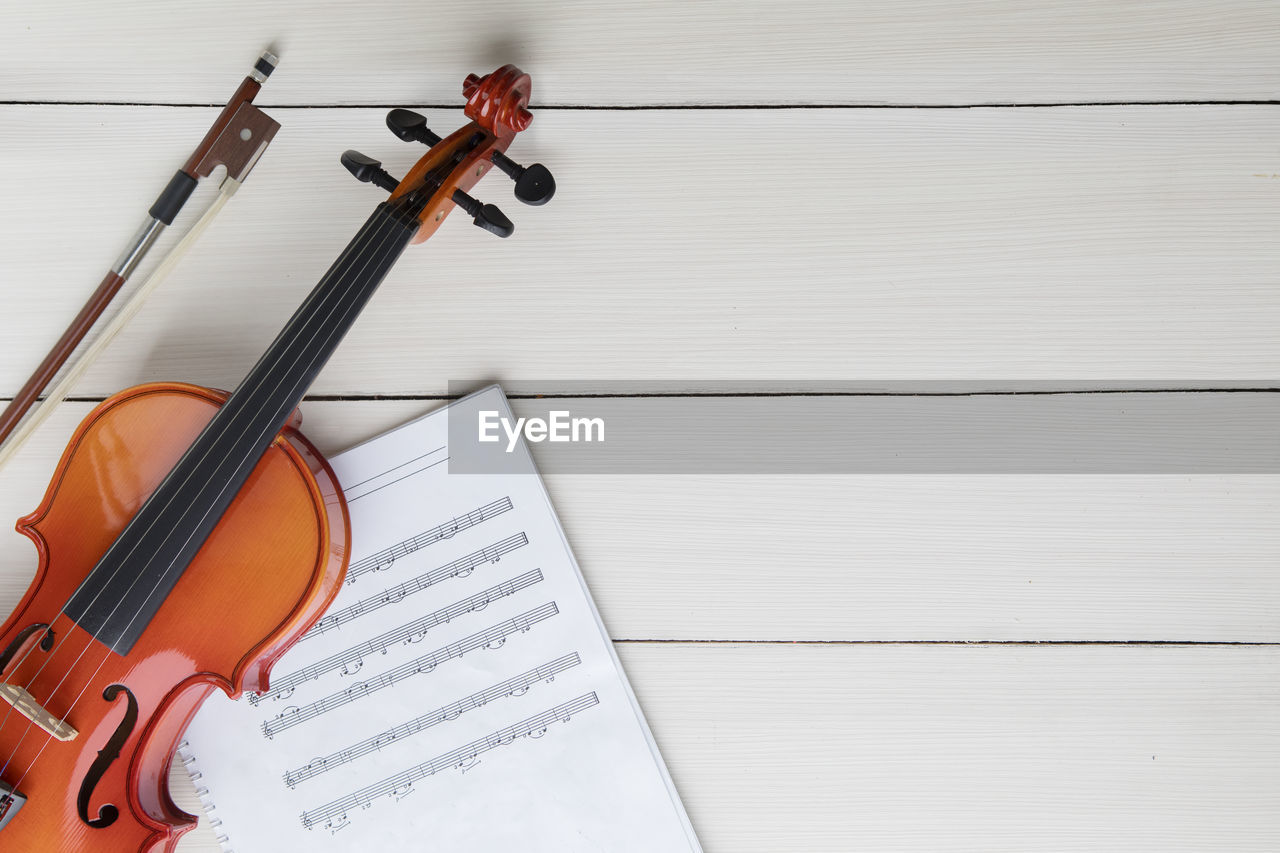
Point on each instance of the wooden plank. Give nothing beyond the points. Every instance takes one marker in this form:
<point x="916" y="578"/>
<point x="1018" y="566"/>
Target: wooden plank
<point x="666" y="52"/>
<point x="873" y="558"/>
<point x="954" y="748"/>
<point x="685" y="248"/>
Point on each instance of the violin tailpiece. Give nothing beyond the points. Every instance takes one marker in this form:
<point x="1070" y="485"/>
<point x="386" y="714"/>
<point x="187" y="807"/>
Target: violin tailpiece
<point x="10" y="802"/>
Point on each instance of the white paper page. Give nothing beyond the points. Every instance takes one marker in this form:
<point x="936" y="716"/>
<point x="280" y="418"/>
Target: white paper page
<point x="461" y="692"/>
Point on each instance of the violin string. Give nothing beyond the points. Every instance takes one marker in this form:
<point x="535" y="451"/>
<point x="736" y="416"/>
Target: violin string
<point x="361" y="243"/>
<point x="352" y="247"/>
<point x="356" y="246"/>
<point x="339" y="295"/>
<point x="299" y="335"/>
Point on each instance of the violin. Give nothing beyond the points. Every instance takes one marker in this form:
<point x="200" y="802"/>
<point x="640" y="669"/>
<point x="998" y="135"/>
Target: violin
<point x="189" y="537"/>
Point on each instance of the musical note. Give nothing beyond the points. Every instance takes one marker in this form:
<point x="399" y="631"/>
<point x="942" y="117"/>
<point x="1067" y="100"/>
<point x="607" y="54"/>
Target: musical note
<point x="459" y="568"/>
<point x="515" y="686"/>
<point x="317" y="765"/>
<point x="280" y="721"/>
<point x="410" y="632"/>
<point x="426" y="663"/>
<point x="383" y="560"/>
<point x="462" y="758"/>
<point x="335" y="823"/>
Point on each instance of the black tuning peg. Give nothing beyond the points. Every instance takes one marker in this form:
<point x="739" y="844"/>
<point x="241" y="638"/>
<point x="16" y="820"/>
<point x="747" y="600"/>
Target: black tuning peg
<point x="534" y="184"/>
<point x="368" y="170"/>
<point x="411" y="127"/>
<point x="487" y="216"/>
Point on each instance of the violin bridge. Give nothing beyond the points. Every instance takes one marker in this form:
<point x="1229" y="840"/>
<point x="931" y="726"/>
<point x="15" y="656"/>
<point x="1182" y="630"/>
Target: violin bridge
<point x="27" y="706"/>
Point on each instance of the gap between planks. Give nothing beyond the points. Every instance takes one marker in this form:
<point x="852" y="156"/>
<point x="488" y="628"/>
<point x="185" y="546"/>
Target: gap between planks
<point x="664" y="395"/>
<point x="778" y="642"/>
<point x="853" y="105"/>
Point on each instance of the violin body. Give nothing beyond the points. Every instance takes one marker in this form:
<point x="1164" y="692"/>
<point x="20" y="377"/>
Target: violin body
<point x="190" y="537"/>
<point x="268" y="571"/>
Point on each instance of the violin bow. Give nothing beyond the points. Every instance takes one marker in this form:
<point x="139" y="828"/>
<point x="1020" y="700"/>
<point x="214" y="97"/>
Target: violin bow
<point x="237" y="139"/>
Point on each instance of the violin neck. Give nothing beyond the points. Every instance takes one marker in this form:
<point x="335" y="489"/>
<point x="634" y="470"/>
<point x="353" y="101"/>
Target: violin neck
<point x="120" y="596"/>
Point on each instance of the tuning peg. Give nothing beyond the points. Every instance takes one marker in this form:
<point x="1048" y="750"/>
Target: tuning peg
<point x="411" y="127"/>
<point x="368" y="170"/>
<point x="487" y="216"/>
<point x="534" y="184"/>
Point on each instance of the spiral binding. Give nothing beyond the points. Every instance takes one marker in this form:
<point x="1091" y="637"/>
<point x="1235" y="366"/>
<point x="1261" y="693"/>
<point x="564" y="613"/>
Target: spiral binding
<point x="189" y="764"/>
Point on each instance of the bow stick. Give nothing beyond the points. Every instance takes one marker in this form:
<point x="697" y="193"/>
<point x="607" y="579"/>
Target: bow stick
<point x="236" y="140"/>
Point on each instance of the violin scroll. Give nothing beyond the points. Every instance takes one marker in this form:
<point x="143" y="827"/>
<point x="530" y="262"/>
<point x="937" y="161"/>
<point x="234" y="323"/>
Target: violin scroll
<point x="498" y="102"/>
<point x="497" y="105"/>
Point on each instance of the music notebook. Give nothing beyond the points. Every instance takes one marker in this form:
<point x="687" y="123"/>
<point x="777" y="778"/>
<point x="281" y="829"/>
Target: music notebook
<point x="461" y="692"/>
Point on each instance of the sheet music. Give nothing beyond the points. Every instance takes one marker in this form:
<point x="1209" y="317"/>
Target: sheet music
<point x="461" y="691"/>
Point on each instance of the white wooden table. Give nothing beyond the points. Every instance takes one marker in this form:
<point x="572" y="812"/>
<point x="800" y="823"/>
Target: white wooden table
<point x="1056" y="190"/>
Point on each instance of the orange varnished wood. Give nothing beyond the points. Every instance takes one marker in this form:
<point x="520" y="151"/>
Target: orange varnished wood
<point x="266" y="574"/>
<point x="462" y="177"/>
<point x="499" y="102"/>
<point x="497" y="106"/>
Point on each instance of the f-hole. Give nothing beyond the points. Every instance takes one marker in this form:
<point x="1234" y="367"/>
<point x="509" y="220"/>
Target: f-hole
<point x="46" y="642"/>
<point x="108" y="814"/>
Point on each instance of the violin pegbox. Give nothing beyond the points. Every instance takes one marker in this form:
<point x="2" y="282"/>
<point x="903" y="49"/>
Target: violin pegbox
<point x="497" y="105"/>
